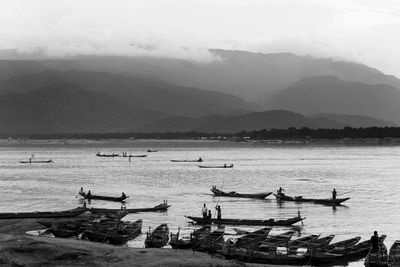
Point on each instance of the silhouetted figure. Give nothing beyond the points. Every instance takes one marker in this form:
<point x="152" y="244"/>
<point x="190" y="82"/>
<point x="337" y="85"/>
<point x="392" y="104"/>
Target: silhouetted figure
<point x="209" y="215"/>
<point x="280" y="191"/>
<point x="218" y="208"/>
<point x="81" y="191"/>
<point x="204" y="211"/>
<point x="224" y="165"/>
<point x="123" y="195"/>
<point x="375" y="241"/>
<point x="200" y="160"/>
<point x="84" y="204"/>
<point x="334" y="193"/>
<point x="89" y="194"/>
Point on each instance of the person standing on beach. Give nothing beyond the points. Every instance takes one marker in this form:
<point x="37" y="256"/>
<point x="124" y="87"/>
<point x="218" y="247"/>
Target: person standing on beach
<point x="204" y="211"/>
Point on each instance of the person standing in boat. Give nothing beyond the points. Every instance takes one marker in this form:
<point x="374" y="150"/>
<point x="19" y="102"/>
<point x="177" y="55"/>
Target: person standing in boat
<point x="200" y="160"/>
<point x="209" y="216"/>
<point x="123" y="195"/>
<point x="204" y="211"/>
<point x="218" y="208"/>
<point x="89" y="194"/>
<point x="334" y="193"/>
<point x="375" y="241"/>
<point x="280" y="191"/>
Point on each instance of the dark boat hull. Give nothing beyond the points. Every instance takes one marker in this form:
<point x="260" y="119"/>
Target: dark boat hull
<point x="160" y="207"/>
<point x="36" y="161"/>
<point x="270" y="222"/>
<point x="158" y="238"/>
<point x="218" y="192"/>
<point x="43" y="214"/>
<point x="336" y="201"/>
<point x="216" y="166"/>
<point x="115" y="199"/>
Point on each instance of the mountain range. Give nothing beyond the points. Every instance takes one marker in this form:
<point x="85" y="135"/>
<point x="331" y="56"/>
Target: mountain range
<point x="236" y="91"/>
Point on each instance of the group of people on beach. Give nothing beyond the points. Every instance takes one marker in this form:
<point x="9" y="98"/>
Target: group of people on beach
<point x="207" y="213"/>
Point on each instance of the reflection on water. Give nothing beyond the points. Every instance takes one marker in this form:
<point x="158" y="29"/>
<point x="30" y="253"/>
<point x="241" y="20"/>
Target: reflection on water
<point x="370" y="173"/>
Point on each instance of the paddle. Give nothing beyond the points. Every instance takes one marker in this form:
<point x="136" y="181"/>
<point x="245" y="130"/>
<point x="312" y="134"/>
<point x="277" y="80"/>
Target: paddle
<point x="344" y="193"/>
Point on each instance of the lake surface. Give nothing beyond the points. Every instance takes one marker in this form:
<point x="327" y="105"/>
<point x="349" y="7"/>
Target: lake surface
<point x="369" y="173"/>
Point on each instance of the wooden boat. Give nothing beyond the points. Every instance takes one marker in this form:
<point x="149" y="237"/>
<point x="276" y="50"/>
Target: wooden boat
<point x="342" y="245"/>
<point x="160" y="207"/>
<point x="216" y="166"/>
<point x="274" y="241"/>
<point x="151" y="150"/>
<point x="301" y="242"/>
<point x="269" y="222"/>
<point x="194" y="239"/>
<point x="221" y="193"/>
<point x="250" y="238"/>
<point x="378" y="258"/>
<point x="138" y="156"/>
<point x="320" y="242"/>
<point x="394" y="254"/>
<point x="115" y="233"/>
<point x="158" y="237"/>
<point x="107" y="155"/>
<point x="212" y="242"/>
<point x="116" y="199"/>
<point x="327" y="201"/>
<point x="184" y="160"/>
<point x="66" y="229"/>
<point x="43" y="214"/>
<point x="36" y="161"/>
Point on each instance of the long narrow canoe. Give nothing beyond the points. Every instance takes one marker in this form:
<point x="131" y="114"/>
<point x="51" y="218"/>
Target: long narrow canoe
<point x="252" y="238"/>
<point x="274" y="241"/>
<point x="36" y="161"/>
<point x="160" y="207"/>
<point x="216" y="166"/>
<point x="221" y="193"/>
<point x="186" y="160"/>
<point x="326" y="201"/>
<point x="107" y="155"/>
<point x="269" y="222"/>
<point x="43" y="214"/>
<point x="116" y="199"/>
<point x="158" y="238"/>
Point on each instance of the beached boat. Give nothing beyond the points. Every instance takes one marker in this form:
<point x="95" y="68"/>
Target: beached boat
<point x="327" y="201"/>
<point x="221" y="193"/>
<point x="185" y="160"/>
<point x="36" y="161"/>
<point x="250" y="238"/>
<point x="116" y="233"/>
<point x="107" y="155"/>
<point x="394" y="254"/>
<point x="273" y="241"/>
<point x="116" y="199"/>
<point x="160" y="207"/>
<point x="377" y="258"/>
<point x="301" y="242"/>
<point x="212" y="242"/>
<point x="269" y="222"/>
<point x="194" y="239"/>
<point x="321" y="242"/>
<point x="216" y="166"/>
<point x="342" y="245"/>
<point x="158" y="237"/>
<point x="43" y="214"/>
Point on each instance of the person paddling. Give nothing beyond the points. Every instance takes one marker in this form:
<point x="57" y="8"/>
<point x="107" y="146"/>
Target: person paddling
<point x="334" y="193"/>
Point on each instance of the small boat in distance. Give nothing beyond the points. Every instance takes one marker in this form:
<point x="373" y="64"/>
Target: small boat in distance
<point x="151" y="150"/>
<point x="90" y="197"/>
<point x="36" y="161"/>
<point x="107" y="155"/>
<point x="324" y="201"/>
<point x="221" y="193"/>
<point x="184" y="160"/>
<point x="217" y="166"/>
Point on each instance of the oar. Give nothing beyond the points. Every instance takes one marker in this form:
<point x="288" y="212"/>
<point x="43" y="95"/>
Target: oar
<point x="344" y="193"/>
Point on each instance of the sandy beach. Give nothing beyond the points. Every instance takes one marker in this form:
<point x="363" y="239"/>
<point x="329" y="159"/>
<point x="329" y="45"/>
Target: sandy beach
<point x="20" y="249"/>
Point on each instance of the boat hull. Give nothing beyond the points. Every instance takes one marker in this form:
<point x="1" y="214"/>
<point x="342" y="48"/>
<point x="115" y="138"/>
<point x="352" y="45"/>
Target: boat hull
<point x="269" y="222"/>
<point x="218" y="192"/>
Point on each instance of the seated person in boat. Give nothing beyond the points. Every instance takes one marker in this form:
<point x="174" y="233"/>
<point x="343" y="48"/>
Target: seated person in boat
<point x="204" y="211"/>
<point x="81" y="191"/>
<point x="280" y="191"/>
<point x="209" y="215"/>
<point x="123" y="195"/>
<point x="375" y="241"/>
<point x="200" y="160"/>
<point x="218" y="208"/>
<point x="334" y="193"/>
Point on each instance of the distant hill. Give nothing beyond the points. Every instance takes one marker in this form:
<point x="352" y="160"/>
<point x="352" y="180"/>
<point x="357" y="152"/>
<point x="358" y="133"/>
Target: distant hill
<point x="328" y="94"/>
<point x="355" y="121"/>
<point x="135" y="92"/>
<point x="60" y="107"/>
<point x="251" y="76"/>
<point x="273" y="119"/>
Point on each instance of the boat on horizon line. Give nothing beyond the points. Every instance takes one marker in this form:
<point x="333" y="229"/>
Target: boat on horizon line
<point x="225" y="166"/>
<point x="152" y="150"/>
<point x="185" y="160"/>
<point x="221" y="193"/>
<point x="324" y="201"/>
<point x="36" y="161"/>
<point x="107" y="155"/>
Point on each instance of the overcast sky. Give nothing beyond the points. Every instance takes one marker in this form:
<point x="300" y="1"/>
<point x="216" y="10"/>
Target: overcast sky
<point x="358" y="30"/>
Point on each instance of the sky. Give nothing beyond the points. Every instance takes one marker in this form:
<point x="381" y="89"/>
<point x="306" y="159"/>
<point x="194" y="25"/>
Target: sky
<point x="356" y="30"/>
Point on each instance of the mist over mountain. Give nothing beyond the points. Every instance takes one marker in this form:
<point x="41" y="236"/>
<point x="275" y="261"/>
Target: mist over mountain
<point x="356" y="121"/>
<point x="328" y="94"/>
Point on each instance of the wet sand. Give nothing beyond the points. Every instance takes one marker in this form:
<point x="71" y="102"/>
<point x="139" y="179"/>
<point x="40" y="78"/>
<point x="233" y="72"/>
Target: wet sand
<point x="20" y="249"/>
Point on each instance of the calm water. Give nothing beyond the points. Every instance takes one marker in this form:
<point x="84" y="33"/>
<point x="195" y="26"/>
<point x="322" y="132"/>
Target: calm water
<point x="371" y="174"/>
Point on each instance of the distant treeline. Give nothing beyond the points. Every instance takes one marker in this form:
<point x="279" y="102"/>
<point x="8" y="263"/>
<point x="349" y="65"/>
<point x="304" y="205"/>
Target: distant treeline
<point x="282" y="134"/>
